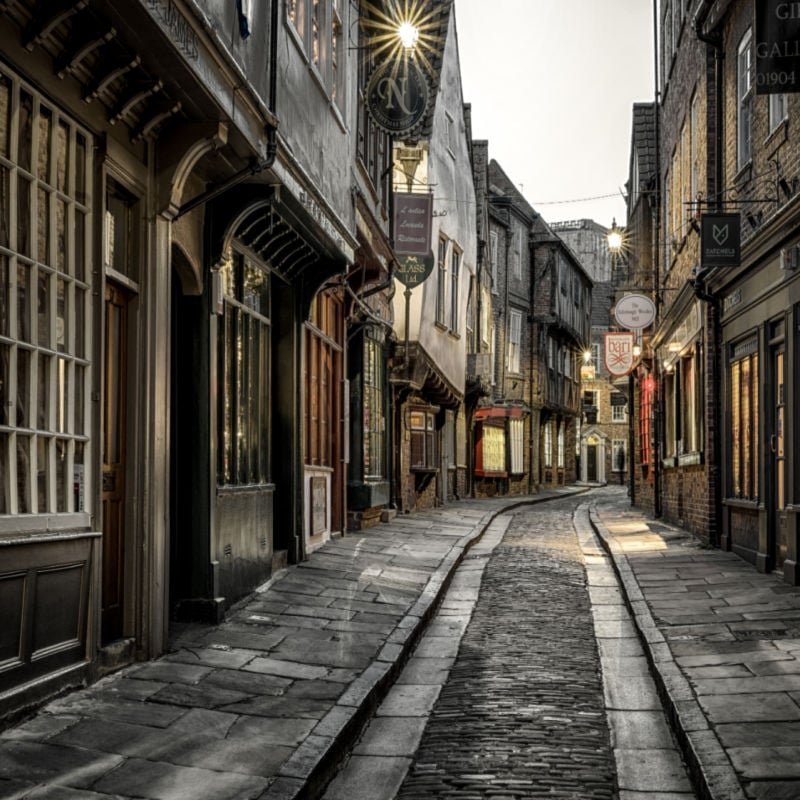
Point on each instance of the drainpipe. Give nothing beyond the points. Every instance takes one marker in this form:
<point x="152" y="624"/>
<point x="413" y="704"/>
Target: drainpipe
<point x="257" y="166"/>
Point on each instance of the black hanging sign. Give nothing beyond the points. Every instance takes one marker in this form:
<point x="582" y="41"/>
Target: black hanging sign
<point x="397" y="96"/>
<point x="721" y="237"/>
<point x="412" y="223"/>
<point x="777" y="47"/>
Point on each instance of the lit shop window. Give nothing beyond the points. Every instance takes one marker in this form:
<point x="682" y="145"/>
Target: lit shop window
<point x="743" y="432"/>
<point x="374" y="409"/>
<point x="244" y="372"/>
<point x="45" y="305"/>
<point x="516" y="441"/>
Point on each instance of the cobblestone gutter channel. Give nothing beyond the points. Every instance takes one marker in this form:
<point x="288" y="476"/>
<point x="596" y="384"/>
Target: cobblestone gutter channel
<point x="710" y="769"/>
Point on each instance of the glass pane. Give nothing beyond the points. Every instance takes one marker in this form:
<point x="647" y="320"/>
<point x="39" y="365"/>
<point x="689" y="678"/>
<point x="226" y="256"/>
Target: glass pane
<point x="256" y="289"/>
<point x="62" y="379"/>
<point x="43" y="309"/>
<point x="253" y="386"/>
<point x="62" y="318"/>
<point x="78" y="267"/>
<point x="61" y="235"/>
<point x="263" y="395"/>
<point x="5" y="297"/>
<point x="80" y="377"/>
<point x="112" y="378"/>
<point x="23" y="217"/>
<point x="80" y="322"/>
<point x="25" y="128"/>
<point x="4" y="206"/>
<point x="43" y="156"/>
<point x="5" y="488"/>
<point x="78" y="478"/>
<point x="23" y="388"/>
<point x="43" y="393"/>
<point x="62" y="157"/>
<point x="5" y="115"/>
<point x="23" y="474"/>
<point x="42" y="457"/>
<point x="241" y="408"/>
<point x="80" y="168"/>
<point x="43" y="227"/>
<point x="62" y="476"/>
<point x="5" y="356"/>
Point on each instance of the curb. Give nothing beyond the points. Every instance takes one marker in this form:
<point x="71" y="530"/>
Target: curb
<point x="711" y="771"/>
<point x="307" y="772"/>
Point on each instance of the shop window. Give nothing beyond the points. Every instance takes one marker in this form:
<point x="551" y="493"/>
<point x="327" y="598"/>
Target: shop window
<point x="461" y="438"/>
<point x="548" y="445"/>
<point x="374" y="420"/>
<point x="421" y="423"/>
<point x="323" y="379"/>
<point x="743" y="377"/>
<point x="646" y="396"/>
<point x="560" y="451"/>
<point x="243" y="351"/>
<point x="516" y="445"/>
<point x="619" y="455"/>
<point x="45" y="305"/>
<point x="490" y="449"/>
<point x="683" y="406"/>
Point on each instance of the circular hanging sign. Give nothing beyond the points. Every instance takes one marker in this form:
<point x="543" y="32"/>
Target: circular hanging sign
<point x="397" y="96"/>
<point x="634" y="312"/>
<point x="413" y="270"/>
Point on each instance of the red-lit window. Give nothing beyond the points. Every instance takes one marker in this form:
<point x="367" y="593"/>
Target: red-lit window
<point x="646" y="397"/>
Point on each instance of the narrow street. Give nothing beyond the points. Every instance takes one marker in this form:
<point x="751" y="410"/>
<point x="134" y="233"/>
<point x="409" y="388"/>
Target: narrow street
<point x="529" y="683"/>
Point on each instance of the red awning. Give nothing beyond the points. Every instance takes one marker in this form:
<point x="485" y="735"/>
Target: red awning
<point x="499" y="411"/>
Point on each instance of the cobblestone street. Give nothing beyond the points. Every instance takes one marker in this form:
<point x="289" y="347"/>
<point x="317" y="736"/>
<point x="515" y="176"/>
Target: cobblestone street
<point x="522" y="713"/>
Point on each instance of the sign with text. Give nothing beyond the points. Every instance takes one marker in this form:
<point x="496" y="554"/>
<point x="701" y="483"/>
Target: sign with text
<point x="721" y="240"/>
<point x="412" y="223"/>
<point x="635" y="312"/>
<point x="413" y="270"/>
<point x="397" y="96"/>
<point x="618" y="353"/>
<point x="777" y="47"/>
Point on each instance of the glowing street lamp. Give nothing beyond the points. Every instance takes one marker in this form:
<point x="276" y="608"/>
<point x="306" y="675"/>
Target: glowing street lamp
<point x="614" y="239"/>
<point x="408" y="34"/>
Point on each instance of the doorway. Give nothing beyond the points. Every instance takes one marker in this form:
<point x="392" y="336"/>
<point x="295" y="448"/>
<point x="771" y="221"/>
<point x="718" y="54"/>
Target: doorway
<point x="591" y="463"/>
<point x="777" y="453"/>
<point x="115" y="438"/>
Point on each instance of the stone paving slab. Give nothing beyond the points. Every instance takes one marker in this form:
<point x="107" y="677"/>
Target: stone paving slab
<point x="264" y="705"/>
<point x="724" y="642"/>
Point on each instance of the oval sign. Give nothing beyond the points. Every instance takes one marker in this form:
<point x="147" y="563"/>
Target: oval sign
<point x="397" y="96"/>
<point x="634" y="312"/>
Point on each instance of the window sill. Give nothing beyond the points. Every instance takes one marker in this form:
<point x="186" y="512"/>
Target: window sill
<point x="454" y="334"/>
<point x="246" y="488"/>
<point x="482" y="474"/>
<point x="744" y="174"/>
<point x="690" y="459"/>
<point x="777" y="137"/>
<point x="425" y="470"/>
<point x="740" y="502"/>
<point x="441" y="326"/>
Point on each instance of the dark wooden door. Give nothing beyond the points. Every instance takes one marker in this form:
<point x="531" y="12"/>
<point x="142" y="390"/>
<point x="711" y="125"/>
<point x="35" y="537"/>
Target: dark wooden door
<point x="115" y="385"/>
<point x="591" y="462"/>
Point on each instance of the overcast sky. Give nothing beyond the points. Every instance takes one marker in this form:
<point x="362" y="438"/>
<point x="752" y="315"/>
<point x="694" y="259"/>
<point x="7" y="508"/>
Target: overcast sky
<point x="552" y="84"/>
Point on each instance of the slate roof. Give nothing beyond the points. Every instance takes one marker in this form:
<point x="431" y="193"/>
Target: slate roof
<point x="602" y="300"/>
<point x="643" y="140"/>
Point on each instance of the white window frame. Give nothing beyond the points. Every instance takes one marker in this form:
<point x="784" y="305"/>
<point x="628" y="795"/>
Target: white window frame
<point x="619" y="413"/>
<point x="548" y="445"/>
<point x="744" y="100"/>
<point x="455" y="286"/>
<point x="45" y="446"/>
<point x="516" y="445"/>
<point x="560" y="447"/>
<point x="514" y="341"/>
<point x="778" y="110"/>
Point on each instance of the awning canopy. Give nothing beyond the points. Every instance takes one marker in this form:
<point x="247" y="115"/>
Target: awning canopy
<point x="499" y="411"/>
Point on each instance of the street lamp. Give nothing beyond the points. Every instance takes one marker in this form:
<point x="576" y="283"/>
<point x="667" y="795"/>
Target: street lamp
<point x="408" y="33"/>
<point x="614" y="238"/>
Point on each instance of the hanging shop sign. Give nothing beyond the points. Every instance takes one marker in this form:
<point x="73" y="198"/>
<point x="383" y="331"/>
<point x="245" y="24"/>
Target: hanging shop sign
<point x="413" y="270"/>
<point x="413" y="214"/>
<point x="397" y="96"/>
<point x="618" y="353"/>
<point x="634" y="312"/>
<point x="721" y="238"/>
<point x="777" y="47"/>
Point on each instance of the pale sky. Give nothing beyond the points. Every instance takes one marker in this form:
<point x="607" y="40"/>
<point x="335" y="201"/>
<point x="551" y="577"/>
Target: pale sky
<point x="552" y="84"/>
